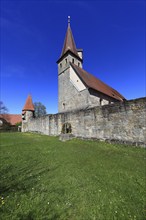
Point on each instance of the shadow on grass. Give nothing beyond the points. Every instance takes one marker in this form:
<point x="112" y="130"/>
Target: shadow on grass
<point x="24" y="180"/>
<point x="32" y="216"/>
<point x="27" y="216"/>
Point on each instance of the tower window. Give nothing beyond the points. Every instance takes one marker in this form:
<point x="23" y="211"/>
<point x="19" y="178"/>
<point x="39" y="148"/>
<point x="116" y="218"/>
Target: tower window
<point x="73" y="60"/>
<point x="66" y="61"/>
<point x="60" y="65"/>
<point x="100" y="101"/>
<point x="78" y="64"/>
<point x="23" y="116"/>
<point x="63" y="105"/>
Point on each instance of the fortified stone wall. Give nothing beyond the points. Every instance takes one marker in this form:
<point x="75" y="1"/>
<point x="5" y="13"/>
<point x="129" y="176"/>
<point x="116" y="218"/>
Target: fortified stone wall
<point x="123" y="122"/>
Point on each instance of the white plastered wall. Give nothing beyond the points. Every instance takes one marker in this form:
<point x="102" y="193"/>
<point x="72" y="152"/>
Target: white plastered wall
<point x="75" y="80"/>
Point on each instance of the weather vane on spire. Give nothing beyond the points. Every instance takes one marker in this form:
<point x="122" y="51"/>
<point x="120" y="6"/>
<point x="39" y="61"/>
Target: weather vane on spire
<point x="68" y="20"/>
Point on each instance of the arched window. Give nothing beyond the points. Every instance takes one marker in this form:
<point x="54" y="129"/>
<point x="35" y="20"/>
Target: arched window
<point x="73" y="60"/>
<point x="60" y="65"/>
<point x="66" y="128"/>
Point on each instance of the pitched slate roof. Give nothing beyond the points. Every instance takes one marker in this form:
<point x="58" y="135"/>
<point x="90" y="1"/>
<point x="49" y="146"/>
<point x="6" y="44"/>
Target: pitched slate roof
<point x="11" y="118"/>
<point x="28" y="105"/>
<point x="92" y="82"/>
<point x="69" y="44"/>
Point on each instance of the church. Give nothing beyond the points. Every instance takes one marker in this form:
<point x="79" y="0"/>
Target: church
<point x="79" y="89"/>
<point x="87" y="107"/>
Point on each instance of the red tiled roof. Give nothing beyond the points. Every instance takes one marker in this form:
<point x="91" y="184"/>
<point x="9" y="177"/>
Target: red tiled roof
<point x="28" y="105"/>
<point x="69" y="43"/>
<point x="11" y="118"/>
<point x="96" y="84"/>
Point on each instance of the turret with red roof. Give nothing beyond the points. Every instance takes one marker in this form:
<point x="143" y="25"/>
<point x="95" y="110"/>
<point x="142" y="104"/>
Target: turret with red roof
<point x="28" y="109"/>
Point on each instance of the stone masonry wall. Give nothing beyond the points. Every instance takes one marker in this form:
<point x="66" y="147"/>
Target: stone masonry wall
<point x="69" y="97"/>
<point x="123" y="122"/>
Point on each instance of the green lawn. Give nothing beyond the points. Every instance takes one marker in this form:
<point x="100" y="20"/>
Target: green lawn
<point x="43" y="178"/>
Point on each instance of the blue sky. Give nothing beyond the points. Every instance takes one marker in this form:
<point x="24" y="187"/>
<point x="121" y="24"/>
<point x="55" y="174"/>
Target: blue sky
<point x="111" y="33"/>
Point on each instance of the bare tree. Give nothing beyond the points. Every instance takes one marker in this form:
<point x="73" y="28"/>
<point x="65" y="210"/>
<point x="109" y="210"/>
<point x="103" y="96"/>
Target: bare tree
<point x="40" y="109"/>
<point x="3" y="108"/>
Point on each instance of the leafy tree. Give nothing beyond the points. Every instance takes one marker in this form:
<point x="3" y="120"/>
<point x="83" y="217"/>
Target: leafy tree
<point x="40" y="109"/>
<point x="3" y="108"/>
<point x="18" y="124"/>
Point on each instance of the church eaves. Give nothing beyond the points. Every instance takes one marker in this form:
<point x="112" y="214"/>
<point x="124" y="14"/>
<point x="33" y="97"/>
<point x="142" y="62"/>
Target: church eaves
<point x="69" y="43"/>
<point x="28" y="105"/>
<point x="92" y="82"/>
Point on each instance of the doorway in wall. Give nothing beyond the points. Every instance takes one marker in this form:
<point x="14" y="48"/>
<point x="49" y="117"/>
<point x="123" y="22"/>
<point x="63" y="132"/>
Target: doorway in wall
<point x="66" y="128"/>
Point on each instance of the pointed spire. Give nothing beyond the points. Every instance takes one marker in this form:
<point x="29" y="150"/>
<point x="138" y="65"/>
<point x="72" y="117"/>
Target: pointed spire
<point x="29" y="104"/>
<point x="69" y="43"/>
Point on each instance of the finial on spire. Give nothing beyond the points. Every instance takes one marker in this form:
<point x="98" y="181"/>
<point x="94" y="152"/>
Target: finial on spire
<point x="68" y="21"/>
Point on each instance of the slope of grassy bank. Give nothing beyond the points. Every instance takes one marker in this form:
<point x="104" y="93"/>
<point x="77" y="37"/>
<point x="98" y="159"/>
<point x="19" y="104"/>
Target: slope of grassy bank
<point x="43" y="178"/>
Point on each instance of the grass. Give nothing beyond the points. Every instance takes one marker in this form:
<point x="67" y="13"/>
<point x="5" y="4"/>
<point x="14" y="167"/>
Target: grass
<point x="43" y="178"/>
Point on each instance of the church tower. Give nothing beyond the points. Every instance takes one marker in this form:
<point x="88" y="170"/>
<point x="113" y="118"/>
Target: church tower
<point x="69" y="54"/>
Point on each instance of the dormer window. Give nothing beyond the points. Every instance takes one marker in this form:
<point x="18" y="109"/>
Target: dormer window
<point x="73" y="60"/>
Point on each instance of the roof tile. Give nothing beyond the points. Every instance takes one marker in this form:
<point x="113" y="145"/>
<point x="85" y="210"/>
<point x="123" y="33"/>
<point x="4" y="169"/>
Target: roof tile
<point x="28" y="105"/>
<point x="11" y="118"/>
<point x="96" y="84"/>
<point x="69" y="43"/>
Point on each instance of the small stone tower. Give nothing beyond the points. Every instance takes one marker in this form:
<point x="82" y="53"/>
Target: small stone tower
<point x="27" y="112"/>
<point x="69" y="54"/>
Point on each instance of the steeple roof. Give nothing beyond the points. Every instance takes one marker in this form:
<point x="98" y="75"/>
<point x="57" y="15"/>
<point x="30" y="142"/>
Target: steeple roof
<point x="29" y="104"/>
<point x="69" y="43"/>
